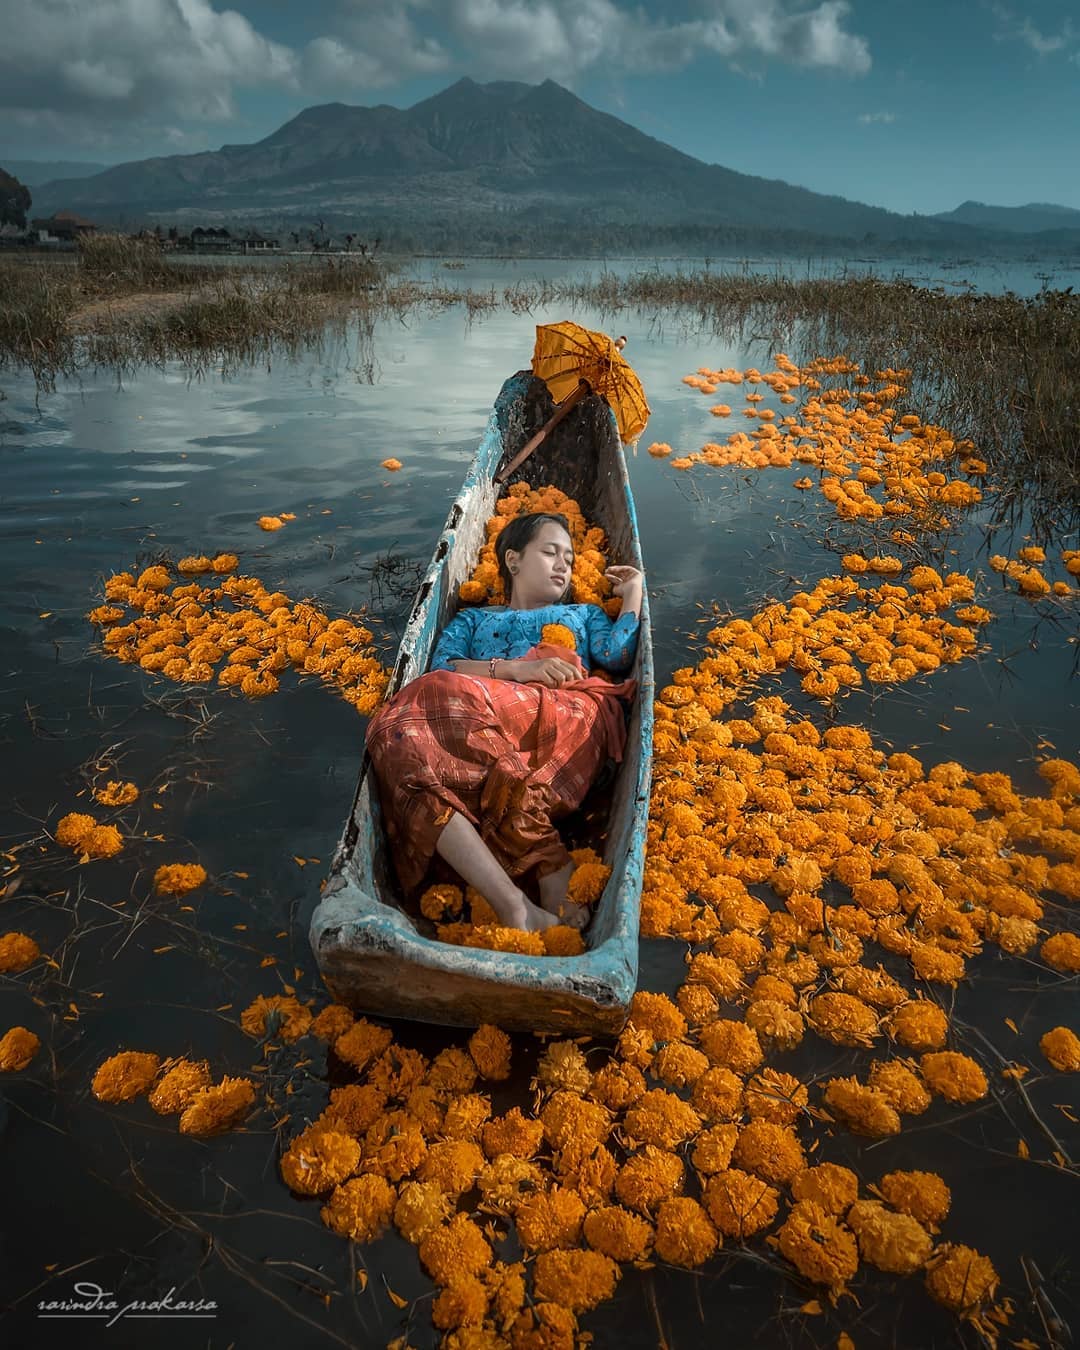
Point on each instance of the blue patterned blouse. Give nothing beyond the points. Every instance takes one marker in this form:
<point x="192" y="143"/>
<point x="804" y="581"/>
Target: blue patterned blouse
<point x="480" y="632"/>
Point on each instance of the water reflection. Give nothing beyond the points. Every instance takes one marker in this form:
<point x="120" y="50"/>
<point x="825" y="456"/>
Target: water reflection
<point x="100" y="476"/>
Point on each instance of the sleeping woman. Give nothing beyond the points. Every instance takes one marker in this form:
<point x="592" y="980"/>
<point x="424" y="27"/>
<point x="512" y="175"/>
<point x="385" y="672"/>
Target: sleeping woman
<point x="475" y="759"/>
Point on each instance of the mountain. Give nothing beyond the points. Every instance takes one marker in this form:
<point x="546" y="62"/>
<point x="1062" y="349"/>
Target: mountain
<point x="1028" y="219"/>
<point x="33" y="172"/>
<point x="504" y="158"/>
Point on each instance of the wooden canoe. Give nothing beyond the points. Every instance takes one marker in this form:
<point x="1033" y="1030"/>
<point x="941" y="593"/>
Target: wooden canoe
<point x="376" y="956"/>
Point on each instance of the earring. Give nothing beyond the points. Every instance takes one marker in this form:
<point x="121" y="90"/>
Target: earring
<point x="513" y="571"/>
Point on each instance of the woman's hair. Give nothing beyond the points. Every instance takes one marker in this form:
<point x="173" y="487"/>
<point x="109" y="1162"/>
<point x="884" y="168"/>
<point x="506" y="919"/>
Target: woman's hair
<point x="516" y="534"/>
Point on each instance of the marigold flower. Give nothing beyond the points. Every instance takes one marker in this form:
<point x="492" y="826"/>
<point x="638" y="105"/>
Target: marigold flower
<point x="392" y="464"/>
<point x="562" y="1065"/>
<point x="685" y="1235"/>
<point x="360" y="1208"/>
<point x="180" y="1080"/>
<point x="772" y="1095"/>
<point x="463" y="1304"/>
<point x="394" y="1146"/>
<point x="904" y="1090"/>
<point x="568" y="1119"/>
<point x="454" y="1250"/>
<point x="73" y="828"/>
<point x="452" y="1071"/>
<point x="103" y="841"/>
<point x="465" y="1116"/>
<point x="332" y="1021"/>
<point x="775" y="1024"/>
<point x="1062" y="952"/>
<point x="960" y="1278"/>
<point x="618" y="1233"/>
<point x="453" y="1165"/>
<point x="864" y="1110"/>
<point x="618" y="1085"/>
<point x="270" y="523"/>
<point x="844" y="1020"/>
<point x="1062" y="1049"/>
<point x="577" y="1280"/>
<point x="679" y="1064"/>
<point x="896" y="1243"/>
<point x="279" y="1015"/>
<point x="318" y="1160"/>
<point x="818" y="1245"/>
<point x="354" y="1108"/>
<point x="116" y="794"/>
<point x="490" y="1047"/>
<point x="953" y="1076"/>
<point x="18" y="952"/>
<point x="923" y="1195"/>
<point x="718" y="1094"/>
<point x="512" y="1133"/>
<point x="660" y="1118"/>
<point x="649" y="1176"/>
<point x="733" y="1045"/>
<point x="362" y="1043"/>
<point x="919" y="1025"/>
<point x="125" y="1076"/>
<point x="559" y="636"/>
<point x="657" y="1014"/>
<point x="587" y="883"/>
<point x="218" y="1108"/>
<point x="550" y="1219"/>
<point x="769" y="1151"/>
<point x="421" y="1207"/>
<point x="18" y="1046"/>
<point x="829" y="1185"/>
<point x="740" y="1204"/>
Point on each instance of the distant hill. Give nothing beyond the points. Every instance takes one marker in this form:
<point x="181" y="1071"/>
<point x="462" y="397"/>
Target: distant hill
<point x="1028" y="219"/>
<point x="34" y="172"/>
<point x="503" y="161"/>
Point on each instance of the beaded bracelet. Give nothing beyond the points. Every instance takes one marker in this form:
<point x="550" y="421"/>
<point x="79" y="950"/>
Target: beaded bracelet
<point x="491" y="667"/>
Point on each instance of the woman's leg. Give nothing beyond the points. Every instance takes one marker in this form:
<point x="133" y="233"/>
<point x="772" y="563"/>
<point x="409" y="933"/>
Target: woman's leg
<point x="461" y="846"/>
<point x="553" y="897"/>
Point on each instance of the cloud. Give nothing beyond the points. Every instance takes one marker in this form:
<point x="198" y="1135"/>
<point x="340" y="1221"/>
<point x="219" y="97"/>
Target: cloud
<point x="113" y="75"/>
<point x="561" y="39"/>
<point x="1022" y="30"/>
<point x="877" y="117"/>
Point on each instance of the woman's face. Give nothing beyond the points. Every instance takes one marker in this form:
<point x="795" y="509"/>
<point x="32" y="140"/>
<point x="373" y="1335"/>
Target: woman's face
<point x="543" y="566"/>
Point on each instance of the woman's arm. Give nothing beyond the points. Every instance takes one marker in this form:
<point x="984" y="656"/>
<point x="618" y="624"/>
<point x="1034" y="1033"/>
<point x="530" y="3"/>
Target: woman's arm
<point x="612" y="645"/>
<point x="454" y="642"/>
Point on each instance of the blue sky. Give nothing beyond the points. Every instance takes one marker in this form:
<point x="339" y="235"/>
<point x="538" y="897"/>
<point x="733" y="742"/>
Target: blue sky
<point x="915" y="106"/>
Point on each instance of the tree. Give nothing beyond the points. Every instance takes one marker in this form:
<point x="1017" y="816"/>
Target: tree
<point x="14" y="201"/>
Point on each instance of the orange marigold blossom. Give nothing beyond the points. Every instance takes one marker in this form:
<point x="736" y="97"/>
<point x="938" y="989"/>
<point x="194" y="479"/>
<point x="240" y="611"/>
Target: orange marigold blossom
<point x="179" y="878"/>
<point x="18" y="1046"/>
<point x="217" y="1108"/>
<point x="116" y="794"/>
<point x="125" y="1076"/>
<point x="359" y="1208"/>
<point x="454" y="1249"/>
<point x="740" y="1204"/>
<point x="180" y="1080"/>
<point x="960" y="1278"/>
<point x="421" y="1207"/>
<point x="896" y="1243"/>
<point x="279" y="1015"/>
<point x="577" y="1280"/>
<point x="820" y="1247"/>
<point x="1061" y="1047"/>
<point x="953" y="1076"/>
<point x="923" y="1195"/>
<point x="829" y="1185"/>
<point x="318" y="1160"/>
<point x="618" y="1233"/>
<point x="18" y="952"/>
<point x="684" y="1235"/>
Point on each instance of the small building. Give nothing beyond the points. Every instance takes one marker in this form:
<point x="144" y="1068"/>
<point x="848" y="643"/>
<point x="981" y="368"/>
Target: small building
<point x="257" y="243"/>
<point x="213" y="240"/>
<point x="64" y="226"/>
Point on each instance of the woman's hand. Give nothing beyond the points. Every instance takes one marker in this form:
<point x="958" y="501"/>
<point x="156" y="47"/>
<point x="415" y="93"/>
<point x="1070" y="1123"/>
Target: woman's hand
<point x="551" y="671"/>
<point x="624" y="580"/>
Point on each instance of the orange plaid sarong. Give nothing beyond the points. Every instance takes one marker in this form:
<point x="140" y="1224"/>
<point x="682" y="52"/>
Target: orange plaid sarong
<point x="510" y="757"/>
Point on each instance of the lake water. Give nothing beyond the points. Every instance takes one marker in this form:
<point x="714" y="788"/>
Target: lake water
<point x="100" y="476"/>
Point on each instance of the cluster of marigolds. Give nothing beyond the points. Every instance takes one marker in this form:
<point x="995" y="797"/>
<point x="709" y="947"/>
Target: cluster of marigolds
<point x="234" y="632"/>
<point x="688" y="1136"/>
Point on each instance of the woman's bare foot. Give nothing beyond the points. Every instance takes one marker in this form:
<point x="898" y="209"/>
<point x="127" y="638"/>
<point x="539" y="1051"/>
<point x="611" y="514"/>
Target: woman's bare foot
<point x="522" y="913"/>
<point x="554" y="898"/>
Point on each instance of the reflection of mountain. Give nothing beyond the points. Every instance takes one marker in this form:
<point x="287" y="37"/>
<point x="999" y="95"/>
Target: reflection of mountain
<point x="503" y="156"/>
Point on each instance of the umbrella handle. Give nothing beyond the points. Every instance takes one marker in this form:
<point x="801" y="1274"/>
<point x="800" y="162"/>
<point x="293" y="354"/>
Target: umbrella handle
<point x="570" y="401"/>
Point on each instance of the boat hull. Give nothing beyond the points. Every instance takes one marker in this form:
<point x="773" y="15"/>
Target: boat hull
<point x="377" y="957"/>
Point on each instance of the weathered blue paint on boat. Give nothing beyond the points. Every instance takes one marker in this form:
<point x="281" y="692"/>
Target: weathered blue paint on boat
<point x="371" y="953"/>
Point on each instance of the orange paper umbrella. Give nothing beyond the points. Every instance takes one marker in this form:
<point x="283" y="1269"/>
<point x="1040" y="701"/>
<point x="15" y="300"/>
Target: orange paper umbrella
<point x="574" y="362"/>
<point x="566" y="353"/>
